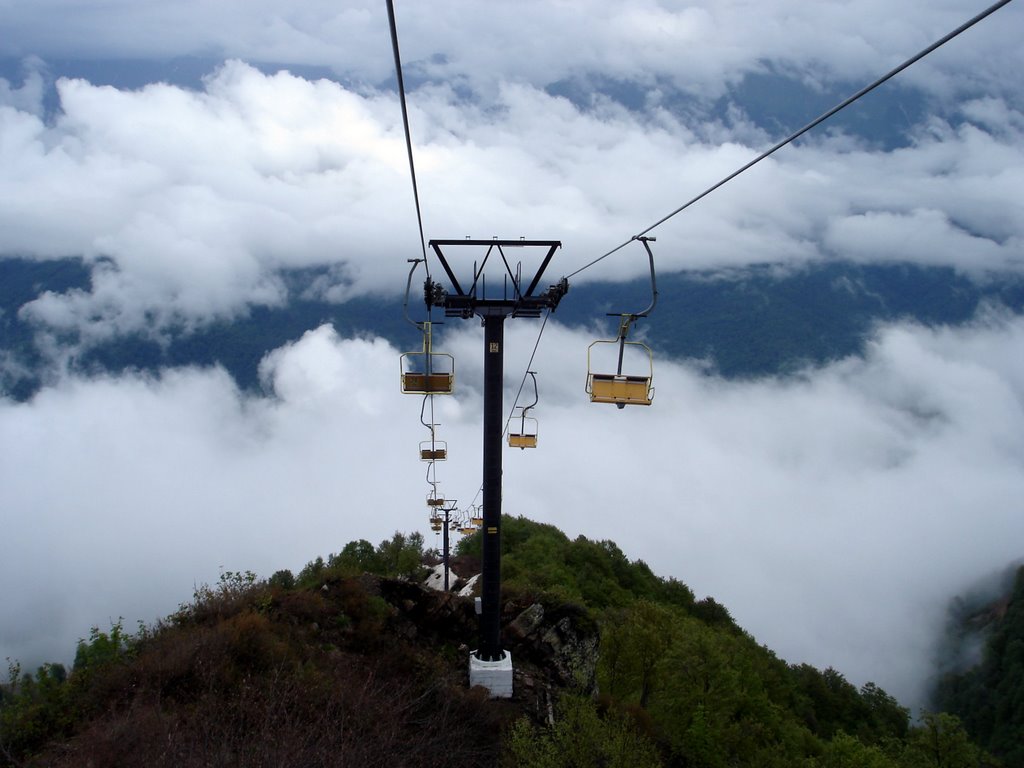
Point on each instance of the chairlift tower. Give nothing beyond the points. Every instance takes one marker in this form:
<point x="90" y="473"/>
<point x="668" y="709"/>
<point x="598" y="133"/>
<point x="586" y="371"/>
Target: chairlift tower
<point x="515" y="296"/>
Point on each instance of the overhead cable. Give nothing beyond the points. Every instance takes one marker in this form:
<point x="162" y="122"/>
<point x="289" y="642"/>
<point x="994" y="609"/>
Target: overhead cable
<point x="405" y="124"/>
<point x="522" y="384"/>
<point x="529" y="366"/>
<point x="818" y="120"/>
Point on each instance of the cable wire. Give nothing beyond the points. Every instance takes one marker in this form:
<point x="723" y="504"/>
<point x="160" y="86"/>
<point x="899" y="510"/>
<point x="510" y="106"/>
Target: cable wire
<point x="405" y="125"/>
<point x="529" y="366"/>
<point x="432" y="468"/>
<point x="817" y="121"/>
<point x="522" y="384"/>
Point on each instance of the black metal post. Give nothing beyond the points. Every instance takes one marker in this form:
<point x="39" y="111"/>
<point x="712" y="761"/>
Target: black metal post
<point x="446" y="519"/>
<point x="490" y="589"/>
<point x="465" y="302"/>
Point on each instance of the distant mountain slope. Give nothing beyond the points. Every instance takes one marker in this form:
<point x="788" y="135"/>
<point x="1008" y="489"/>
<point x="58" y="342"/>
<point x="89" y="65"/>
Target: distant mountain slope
<point x="752" y="322"/>
<point x="987" y="690"/>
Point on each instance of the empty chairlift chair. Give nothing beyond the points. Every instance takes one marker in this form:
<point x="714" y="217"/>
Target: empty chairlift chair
<point x="433" y="450"/>
<point x="427" y="372"/>
<point x="475" y="515"/>
<point x="636" y="387"/>
<point x="522" y="432"/>
<point x="622" y="389"/>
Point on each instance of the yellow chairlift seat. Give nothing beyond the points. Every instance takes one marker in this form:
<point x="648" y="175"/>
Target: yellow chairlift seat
<point x="420" y="383"/>
<point x="466" y="530"/>
<point x="618" y="388"/>
<point x="612" y="388"/>
<point x="522" y="433"/>
<point x="522" y="441"/>
<point x="433" y="502"/>
<point x="477" y="521"/>
<point x="433" y="450"/>
<point x="427" y="372"/>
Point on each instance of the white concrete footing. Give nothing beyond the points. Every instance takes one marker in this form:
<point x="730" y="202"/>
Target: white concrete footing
<point x="495" y="676"/>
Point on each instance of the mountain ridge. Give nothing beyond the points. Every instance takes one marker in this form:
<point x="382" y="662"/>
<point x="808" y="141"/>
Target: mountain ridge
<point x="353" y="660"/>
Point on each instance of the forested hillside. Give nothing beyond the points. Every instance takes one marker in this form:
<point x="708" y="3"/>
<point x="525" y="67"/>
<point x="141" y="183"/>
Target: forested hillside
<point x="336" y="666"/>
<point x="989" y="695"/>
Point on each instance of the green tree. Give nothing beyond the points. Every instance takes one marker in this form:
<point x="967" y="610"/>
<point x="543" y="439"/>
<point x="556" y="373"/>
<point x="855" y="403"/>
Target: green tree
<point x="356" y="557"/>
<point x="401" y="555"/>
<point x="581" y="738"/>
<point x="940" y="742"/>
<point x="34" y="708"/>
<point x="845" y="751"/>
<point x="101" y="647"/>
<point x="634" y="642"/>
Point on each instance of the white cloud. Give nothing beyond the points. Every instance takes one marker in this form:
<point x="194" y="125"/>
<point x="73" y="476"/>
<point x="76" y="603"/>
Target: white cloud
<point x="832" y="513"/>
<point x="699" y="48"/>
<point x="194" y="201"/>
<point x="122" y="493"/>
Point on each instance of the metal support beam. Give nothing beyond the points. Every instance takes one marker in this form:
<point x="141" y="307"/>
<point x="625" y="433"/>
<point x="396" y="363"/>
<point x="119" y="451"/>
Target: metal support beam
<point x="447" y="523"/>
<point x="490" y="598"/>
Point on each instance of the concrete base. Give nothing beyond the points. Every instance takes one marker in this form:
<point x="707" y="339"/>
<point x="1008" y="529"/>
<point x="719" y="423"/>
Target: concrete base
<point x="495" y="676"/>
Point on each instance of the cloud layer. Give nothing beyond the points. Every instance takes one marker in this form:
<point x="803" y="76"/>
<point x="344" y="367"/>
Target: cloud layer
<point x="699" y="48"/>
<point x="190" y="204"/>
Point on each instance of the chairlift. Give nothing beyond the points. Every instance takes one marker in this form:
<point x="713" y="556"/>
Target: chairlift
<point x="425" y="372"/>
<point x="524" y="434"/>
<point x="467" y="530"/>
<point x="432" y="449"/>
<point x="476" y="516"/>
<point x="620" y="388"/>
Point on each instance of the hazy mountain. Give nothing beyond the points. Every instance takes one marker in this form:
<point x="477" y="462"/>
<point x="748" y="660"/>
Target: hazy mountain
<point x="752" y="322"/>
<point x="982" y="665"/>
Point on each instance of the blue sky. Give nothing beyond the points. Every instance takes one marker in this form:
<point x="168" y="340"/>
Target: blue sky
<point x="833" y="512"/>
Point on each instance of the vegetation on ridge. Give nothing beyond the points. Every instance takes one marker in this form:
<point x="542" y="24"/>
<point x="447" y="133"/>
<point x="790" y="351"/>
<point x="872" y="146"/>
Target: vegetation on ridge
<point x="696" y="687"/>
<point x="330" y="667"/>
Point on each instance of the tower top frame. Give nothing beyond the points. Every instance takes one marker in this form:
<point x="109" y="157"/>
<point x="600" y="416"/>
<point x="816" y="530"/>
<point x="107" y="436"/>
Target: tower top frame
<point x="516" y="296"/>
